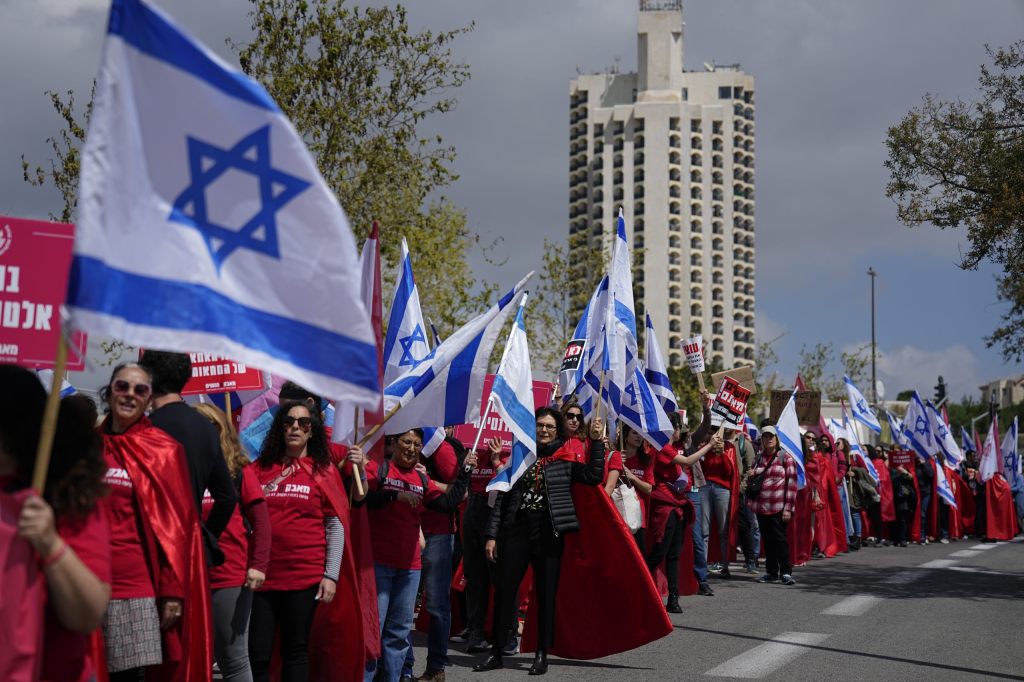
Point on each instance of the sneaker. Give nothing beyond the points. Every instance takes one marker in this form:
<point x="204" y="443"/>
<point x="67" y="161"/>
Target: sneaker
<point x="460" y="637"/>
<point x="750" y="567"/>
<point x="511" y="647"/>
<point x="431" y="676"/>
<point x="715" y="567"/>
<point x="705" y="590"/>
<point x="817" y="554"/>
<point x="768" y="578"/>
<point x="944" y="541"/>
<point x="788" y="580"/>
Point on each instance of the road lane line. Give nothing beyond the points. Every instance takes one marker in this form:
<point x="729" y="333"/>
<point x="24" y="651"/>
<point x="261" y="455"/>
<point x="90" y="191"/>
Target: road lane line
<point x="939" y="563"/>
<point x="857" y="605"/>
<point x="903" y="577"/>
<point x="766" y="658"/>
<point x="983" y="547"/>
<point x="971" y="569"/>
<point x="965" y="553"/>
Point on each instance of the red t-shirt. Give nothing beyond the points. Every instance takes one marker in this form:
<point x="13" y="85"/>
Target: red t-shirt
<point x="446" y="464"/>
<point x="613" y="462"/>
<point x="298" y="541"/>
<point x="666" y="472"/>
<point x="131" y="575"/>
<point x="395" y="527"/>
<point x="480" y="476"/>
<point x="67" y="656"/>
<point x="234" y="541"/>
<point x="721" y="468"/>
<point x="645" y="472"/>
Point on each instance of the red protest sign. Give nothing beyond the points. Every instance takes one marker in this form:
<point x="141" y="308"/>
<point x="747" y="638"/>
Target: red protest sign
<point x="730" y="403"/>
<point x="573" y="355"/>
<point x="903" y="458"/>
<point x="217" y="374"/>
<point x="495" y="426"/>
<point x="35" y="257"/>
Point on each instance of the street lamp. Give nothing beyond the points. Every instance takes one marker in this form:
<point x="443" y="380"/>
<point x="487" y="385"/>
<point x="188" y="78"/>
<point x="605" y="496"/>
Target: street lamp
<point x="874" y="381"/>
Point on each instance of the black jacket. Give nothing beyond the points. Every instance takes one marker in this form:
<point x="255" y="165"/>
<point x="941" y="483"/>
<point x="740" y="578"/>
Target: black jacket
<point x="558" y="478"/>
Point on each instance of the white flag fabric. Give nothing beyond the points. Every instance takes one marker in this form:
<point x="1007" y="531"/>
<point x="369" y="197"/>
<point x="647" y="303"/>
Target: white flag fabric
<point x="788" y="432"/>
<point x="203" y="223"/>
<point x="642" y="411"/>
<point x="862" y="412"/>
<point x="917" y="429"/>
<point x="405" y="345"/>
<point x="989" y="464"/>
<point x="896" y="429"/>
<point x="943" y="436"/>
<point x="1010" y="452"/>
<point x="853" y="439"/>
<point x="655" y="370"/>
<point x="942" y="485"/>
<point x="620" y="321"/>
<point x="446" y="389"/>
<point x="512" y="398"/>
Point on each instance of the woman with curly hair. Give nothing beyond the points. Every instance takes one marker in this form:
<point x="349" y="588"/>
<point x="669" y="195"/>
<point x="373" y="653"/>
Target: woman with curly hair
<point x="66" y="528"/>
<point x="246" y="553"/>
<point x="307" y="540"/>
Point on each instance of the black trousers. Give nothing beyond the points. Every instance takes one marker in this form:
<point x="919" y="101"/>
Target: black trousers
<point x="875" y="514"/>
<point x="641" y="540"/>
<point x="289" y="613"/>
<point x="478" y="571"/>
<point x="668" y="550"/>
<point x="776" y="544"/>
<point x="904" y="520"/>
<point x="528" y="541"/>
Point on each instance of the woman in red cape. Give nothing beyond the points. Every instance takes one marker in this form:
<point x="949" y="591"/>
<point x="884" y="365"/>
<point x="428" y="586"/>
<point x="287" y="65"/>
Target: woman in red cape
<point x="887" y="507"/>
<point x="799" y="529"/>
<point x="1000" y="517"/>
<point x="155" y="465"/>
<point x="820" y="477"/>
<point x="830" y="491"/>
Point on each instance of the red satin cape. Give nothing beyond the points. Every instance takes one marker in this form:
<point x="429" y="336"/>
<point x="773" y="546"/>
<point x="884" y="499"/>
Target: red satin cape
<point x="1000" y="516"/>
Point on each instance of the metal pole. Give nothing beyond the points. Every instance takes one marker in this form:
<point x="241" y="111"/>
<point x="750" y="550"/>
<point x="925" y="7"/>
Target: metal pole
<point x="874" y="381"/>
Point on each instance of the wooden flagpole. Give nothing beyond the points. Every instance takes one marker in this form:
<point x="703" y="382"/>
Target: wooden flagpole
<point x="377" y="427"/>
<point x="49" y="426"/>
<point x="357" y="478"/>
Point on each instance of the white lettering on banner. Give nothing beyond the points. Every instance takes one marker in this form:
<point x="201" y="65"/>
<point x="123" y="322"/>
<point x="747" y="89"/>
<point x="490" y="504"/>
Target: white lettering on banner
<point x="10" y="277"/>
<point x="8" y="349"/>
<point x="26" y="315"/>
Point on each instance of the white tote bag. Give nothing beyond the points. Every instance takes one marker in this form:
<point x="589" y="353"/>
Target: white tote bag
<point x="626" y="501"/>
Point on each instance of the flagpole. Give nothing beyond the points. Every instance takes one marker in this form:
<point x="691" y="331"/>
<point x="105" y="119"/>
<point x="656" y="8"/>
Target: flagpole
<point x="49" y="426"/>
<point x="357" y="478"/>
<point x="377" y="427"/>
<point x="483" y="421"/>
<point x="600" y="395"/>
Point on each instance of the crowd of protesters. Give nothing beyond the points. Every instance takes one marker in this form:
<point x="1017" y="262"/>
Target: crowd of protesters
<point x="160" y="548"/>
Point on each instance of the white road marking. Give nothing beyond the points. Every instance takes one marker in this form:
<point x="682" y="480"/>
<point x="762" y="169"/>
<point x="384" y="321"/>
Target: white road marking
<point x="965" y="553"/>
<point x="766" y="658"/>
<point x="982" y="547"/>
<point x="903" y="577"/>
<point x="971" y="569"/>
<point x="857" y="605"/>
<point x="939" y="563"/>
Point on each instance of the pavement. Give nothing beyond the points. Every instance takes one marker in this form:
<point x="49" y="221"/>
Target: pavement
<point x="930" y="613"/>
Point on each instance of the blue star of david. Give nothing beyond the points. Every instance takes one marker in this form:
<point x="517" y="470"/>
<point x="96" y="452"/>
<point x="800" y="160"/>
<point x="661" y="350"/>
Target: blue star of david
<point x="631" y="392"/>
<point x="942" y="433"/>
<point x="921" y="426"/>
<point x="408" y="342"/>
<point x="862" y="406"/>
<point x="276" y="188"/>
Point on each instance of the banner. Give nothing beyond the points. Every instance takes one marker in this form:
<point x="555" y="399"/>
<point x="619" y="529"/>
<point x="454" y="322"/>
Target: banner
<point x="217" y="374"/>
<point x="694" y="349"/>
<point x="495" y="427"/>
<point x="902" y="458"/>
<point x="35" y="258"/>
<point x="573" y="355"/>
<point x="730" y="405"/>
<point x="808" y="405"/>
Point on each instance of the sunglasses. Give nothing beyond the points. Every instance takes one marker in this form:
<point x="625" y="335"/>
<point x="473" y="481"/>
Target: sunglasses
<point x="122" y="387"/>
<point x="305" y="423"/>
<point x="574" y="416"/>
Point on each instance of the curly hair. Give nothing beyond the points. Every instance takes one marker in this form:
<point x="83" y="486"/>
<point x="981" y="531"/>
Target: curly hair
<point x="233" y="454"/>
<point x="274" y="449"/>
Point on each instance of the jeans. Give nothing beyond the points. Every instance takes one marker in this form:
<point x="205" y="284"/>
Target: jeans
<point x="396" y="601"/>
<point x="926" y="498"/>
<point x="231" y="607"/>
<point x="847" y="520"/>
<point x="750" y="534"/>
<point x="436" y="581"/>
<point x="857" y="527"/>
<point x="290" y="613"/>
<point x="700" y="548"/>
<point x="715" y="498"/>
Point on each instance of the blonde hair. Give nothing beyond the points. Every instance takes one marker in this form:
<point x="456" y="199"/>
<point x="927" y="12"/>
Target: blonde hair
<point x="233" y="454"/>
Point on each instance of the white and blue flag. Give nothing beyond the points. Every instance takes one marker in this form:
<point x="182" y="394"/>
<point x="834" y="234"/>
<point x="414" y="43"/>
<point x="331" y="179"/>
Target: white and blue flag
<point x="853" y="439"/>
<point x="203" y="223"/>
<point x="46" y="377"/>
<point x="656" y="372"/>
<point x="512" y="398"/>
<point x="896" y="429"/>
<point x="942" y="486"/>
<point x="590" y="329"/>
<point x="1011" y="456"/>
<point x="966" y="441"/>
<point x="750" y="428"/>
<point x="787" y="430"/>
<point x="620" y="321"/>
<point x="917" y="428"/>
<point x="641" y="409"/>
<point x="862" y="412"/>
<point x="405" y="345"/>
<point x="446" y="389"/>
<point x="942" y="436"/>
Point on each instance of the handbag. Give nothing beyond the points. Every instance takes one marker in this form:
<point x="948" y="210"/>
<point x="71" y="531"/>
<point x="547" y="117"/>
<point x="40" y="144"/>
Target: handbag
<point x="756" y="481"/>
<point x="628" y="503"/>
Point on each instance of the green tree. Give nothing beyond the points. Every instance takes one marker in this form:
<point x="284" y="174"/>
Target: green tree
<point x="65" y="164"/>
<point x="960" y="164"/>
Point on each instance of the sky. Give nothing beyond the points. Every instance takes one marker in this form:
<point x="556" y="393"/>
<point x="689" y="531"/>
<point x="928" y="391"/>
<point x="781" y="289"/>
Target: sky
<point x="831" y="77"/>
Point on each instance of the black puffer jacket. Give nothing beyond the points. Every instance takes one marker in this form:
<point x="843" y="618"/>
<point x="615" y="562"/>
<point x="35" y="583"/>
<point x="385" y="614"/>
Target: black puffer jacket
<point x="558" y="478"/>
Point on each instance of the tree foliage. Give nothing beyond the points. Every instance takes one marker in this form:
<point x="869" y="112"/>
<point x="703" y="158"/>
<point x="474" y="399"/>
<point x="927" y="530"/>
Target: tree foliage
<point x="815" y="364"/>
<point x="959" y="164"/>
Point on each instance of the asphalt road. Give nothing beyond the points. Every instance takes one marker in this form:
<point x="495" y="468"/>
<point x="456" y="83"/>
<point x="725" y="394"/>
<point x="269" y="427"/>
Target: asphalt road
<point x="937" y="612"/>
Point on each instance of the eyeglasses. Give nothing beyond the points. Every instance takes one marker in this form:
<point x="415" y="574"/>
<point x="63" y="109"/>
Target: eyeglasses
<point x="547" y="427"/>
<point x="305" y="423"/>
<point x="574" y="416"/>
<point x="122" y="387"/>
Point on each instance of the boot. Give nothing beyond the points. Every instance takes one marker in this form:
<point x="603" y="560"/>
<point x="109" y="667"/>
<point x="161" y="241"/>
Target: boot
<point x="673" y="604"/>
<point x="540" y="663"/>
<point x="492" y="662"/>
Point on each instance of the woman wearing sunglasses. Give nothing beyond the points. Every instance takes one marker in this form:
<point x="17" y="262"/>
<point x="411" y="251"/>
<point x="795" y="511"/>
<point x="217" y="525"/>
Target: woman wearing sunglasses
<point x="159" y="607"/>
<point x="577" y="440"/>
<point x="306" y="544"/>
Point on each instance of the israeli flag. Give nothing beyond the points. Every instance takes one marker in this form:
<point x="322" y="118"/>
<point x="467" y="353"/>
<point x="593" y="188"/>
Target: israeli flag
<point x="512" y="398"/>
<point x="405" y="345"/>
<point x="788" y="432"/>
<point x="203" y="223"/>
<point x="591" y="328"/>
<point x="855" y="448"/>
<point x="966" y="441"/>
<point x="620" y="320"/>
<point x="750" y="428"/>
<point x="837" y="429"/>
<point x="1011" y="454"/>
<point x="656" y="372"/>
<point x="446" y="389"/>
<point x="917" y="428"/>
<point x="942" y="436"/>
<point x="46" y="377"/>
<point x="942" y="485"/>
<point x="862" y="412"/>
<point x="896" y="429"/>
<point x="642" y="410"/>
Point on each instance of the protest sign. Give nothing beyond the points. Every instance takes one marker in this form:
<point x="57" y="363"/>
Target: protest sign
<point x="694" y="349"/>
<point x="808" y="405"/>
<point x="902" y="458"/>
<point x="573" y="355"/>
<point x="35" y="258"/>
<point x="495" y="427"/>
<point x="730" y="405"/>
<point x="217" y="374"/>
<point x="743" y="375"/>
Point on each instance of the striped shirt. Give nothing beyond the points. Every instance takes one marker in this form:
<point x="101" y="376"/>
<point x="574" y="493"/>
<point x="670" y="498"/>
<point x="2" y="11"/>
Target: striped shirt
<point x="778" y="493"/>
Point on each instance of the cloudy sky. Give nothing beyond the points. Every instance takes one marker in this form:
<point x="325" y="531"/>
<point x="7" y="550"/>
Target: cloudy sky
<point x="831" y="76"/>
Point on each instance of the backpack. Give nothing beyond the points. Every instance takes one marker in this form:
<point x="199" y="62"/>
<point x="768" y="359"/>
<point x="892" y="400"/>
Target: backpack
<point x="385" y="467"/>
